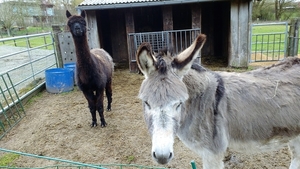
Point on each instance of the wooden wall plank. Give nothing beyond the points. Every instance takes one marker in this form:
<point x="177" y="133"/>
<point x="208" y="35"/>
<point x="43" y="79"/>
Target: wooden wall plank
<point x="239" y="52"/>
<point x="92" y="34"/>
<point x="196" y="15"/>
<point x="167" y="18"/>
<point x="118" y="36"/>
<point x="129" y="24"/>
<point x="196" y="23"/>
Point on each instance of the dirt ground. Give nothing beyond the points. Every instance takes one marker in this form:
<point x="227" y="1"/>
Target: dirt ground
<point x="57" y="125"/>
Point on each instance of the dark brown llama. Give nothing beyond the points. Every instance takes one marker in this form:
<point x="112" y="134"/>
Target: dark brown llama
<point x="93" y="69"/>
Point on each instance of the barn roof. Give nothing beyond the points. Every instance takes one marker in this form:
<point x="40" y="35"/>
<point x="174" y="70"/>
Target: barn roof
<point x="112" y="4"/>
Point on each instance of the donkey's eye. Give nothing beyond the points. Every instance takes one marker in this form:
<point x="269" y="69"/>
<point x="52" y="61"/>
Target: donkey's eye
<point x="147" y="104"/>
<point x="178" y="106"/>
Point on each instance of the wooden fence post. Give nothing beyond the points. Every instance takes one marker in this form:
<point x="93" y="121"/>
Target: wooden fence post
<point x="56" y="30"/>
<point x="293" y="37"/>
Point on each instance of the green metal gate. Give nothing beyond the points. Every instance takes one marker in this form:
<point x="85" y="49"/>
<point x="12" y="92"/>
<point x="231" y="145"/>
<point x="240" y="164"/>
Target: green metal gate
<point x="23" y="63"/>
<point x="11" y="108"/>
<point x="269" y="44"/>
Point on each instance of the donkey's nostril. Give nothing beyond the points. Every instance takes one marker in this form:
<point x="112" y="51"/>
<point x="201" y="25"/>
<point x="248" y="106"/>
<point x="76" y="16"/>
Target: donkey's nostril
<point x="170" y="155"/>
<point x="154" y="155"/>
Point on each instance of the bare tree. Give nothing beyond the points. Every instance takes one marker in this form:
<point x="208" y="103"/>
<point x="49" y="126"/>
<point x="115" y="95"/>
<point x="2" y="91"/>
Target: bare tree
<point x="60" y="7"/>
<point x="281" y="6"/>
<point x="10" y="15"/>
<point x="257" y="8"/>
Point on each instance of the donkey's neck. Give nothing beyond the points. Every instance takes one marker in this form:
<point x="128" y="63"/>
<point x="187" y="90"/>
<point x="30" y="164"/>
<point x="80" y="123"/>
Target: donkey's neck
<point x="82" y="50"/>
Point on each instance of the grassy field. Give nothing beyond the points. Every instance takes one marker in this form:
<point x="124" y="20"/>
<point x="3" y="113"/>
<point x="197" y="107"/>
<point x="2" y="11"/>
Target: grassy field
<point x="25" y="31"/>
<point x="268" y="29"/>
<point x="31" y="42"/>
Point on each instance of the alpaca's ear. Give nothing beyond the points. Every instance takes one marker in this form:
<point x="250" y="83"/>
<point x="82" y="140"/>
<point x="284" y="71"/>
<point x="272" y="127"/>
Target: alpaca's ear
<point x="184" y="60"/>
<point x="82" y="14"/>
<point x="145" y="59"/>
<point x="68" y="14"/>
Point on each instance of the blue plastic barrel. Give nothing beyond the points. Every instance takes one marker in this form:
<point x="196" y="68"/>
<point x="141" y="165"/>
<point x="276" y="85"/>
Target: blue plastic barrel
<point x="59" y="80"/>
<point x="71" y="66"/>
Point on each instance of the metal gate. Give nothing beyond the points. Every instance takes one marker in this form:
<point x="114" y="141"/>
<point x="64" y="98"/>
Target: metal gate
<point x="23" y="63"/>
<point x="176" y="39"/>
<point x="269" y="46"/>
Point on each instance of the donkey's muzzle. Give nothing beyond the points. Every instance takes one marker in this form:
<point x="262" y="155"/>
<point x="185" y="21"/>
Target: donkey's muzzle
<point x="162" y="158"/>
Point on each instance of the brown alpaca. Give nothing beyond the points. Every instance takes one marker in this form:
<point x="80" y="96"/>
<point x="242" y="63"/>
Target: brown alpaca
<point x="93" y="69"/>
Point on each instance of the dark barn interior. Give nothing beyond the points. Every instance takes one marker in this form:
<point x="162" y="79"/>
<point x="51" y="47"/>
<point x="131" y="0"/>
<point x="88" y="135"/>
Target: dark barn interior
<point x="215" y="23"/>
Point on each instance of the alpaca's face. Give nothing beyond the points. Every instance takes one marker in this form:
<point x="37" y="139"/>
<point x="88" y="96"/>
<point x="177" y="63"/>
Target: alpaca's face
<point x="77" y="25"/>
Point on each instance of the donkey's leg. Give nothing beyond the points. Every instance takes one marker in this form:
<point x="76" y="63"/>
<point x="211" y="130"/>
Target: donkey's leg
<point x="108" y="91"/>
<point x="294" y="146"/>
<point x="212" y="161"/>
<point x="99" y="98"/>
<point x="90" y="97"/>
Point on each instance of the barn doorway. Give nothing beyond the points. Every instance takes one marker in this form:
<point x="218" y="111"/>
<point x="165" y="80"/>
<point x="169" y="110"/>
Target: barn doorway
<point x="103" y="21"/>
<point x="215" y="23"/>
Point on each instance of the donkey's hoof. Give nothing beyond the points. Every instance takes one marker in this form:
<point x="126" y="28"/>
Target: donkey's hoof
<point x="108" y="109"/>
<point x="94" y="124"/>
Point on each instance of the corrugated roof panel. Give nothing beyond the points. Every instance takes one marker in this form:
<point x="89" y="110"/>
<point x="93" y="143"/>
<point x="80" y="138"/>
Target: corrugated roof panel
<point x="112" y="2"/>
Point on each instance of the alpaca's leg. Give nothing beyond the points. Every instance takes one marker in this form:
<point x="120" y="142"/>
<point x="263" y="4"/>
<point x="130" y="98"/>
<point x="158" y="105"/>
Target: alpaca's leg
<point x="294" y="146"/>
<point x="108" y="91"/>
<point x="90" y="97"/>
<point x="99" y="97"/>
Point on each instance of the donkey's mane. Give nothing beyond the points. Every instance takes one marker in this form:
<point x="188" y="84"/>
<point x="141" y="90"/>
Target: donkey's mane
<point x="161" y="64"/>
<point x="284" y="65"/>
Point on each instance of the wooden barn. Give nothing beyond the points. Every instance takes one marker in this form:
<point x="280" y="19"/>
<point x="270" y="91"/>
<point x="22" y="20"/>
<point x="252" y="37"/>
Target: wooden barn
<point x="119" y="26"/>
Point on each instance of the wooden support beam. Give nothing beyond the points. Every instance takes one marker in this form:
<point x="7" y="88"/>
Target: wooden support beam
<point x="167" y="18"/>
<point x="239" y="45"/>
<point x="129" y="22"/>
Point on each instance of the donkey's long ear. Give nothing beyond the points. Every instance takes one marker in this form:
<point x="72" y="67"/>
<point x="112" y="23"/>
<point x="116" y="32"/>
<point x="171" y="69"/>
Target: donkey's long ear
<point x="145" y="59"/>
<point x="82" y="13"/>
<point x="68" y="14"/>
<point x="184" y="60"/>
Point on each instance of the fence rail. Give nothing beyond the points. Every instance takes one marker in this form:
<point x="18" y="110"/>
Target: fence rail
<point x="68" y="164"/>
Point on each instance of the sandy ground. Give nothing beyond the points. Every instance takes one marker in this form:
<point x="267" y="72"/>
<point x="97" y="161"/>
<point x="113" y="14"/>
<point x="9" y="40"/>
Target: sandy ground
<point x="57" y="125"/>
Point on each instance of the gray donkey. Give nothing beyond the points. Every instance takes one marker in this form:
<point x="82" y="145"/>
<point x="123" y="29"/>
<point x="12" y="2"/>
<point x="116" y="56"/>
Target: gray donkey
<point x="212" y="111"/>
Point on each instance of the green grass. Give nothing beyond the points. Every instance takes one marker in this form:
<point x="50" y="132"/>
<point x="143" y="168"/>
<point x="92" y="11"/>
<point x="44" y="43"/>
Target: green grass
<point x="7" y="159"/>
<point x="26" y="31"/>
<point x="268" y="29"/>
<point x="31" y="42"/>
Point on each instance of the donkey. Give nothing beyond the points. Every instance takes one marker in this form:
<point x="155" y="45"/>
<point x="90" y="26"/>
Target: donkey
<point x="212" y="111"/>
<point x="94" y="68"/>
